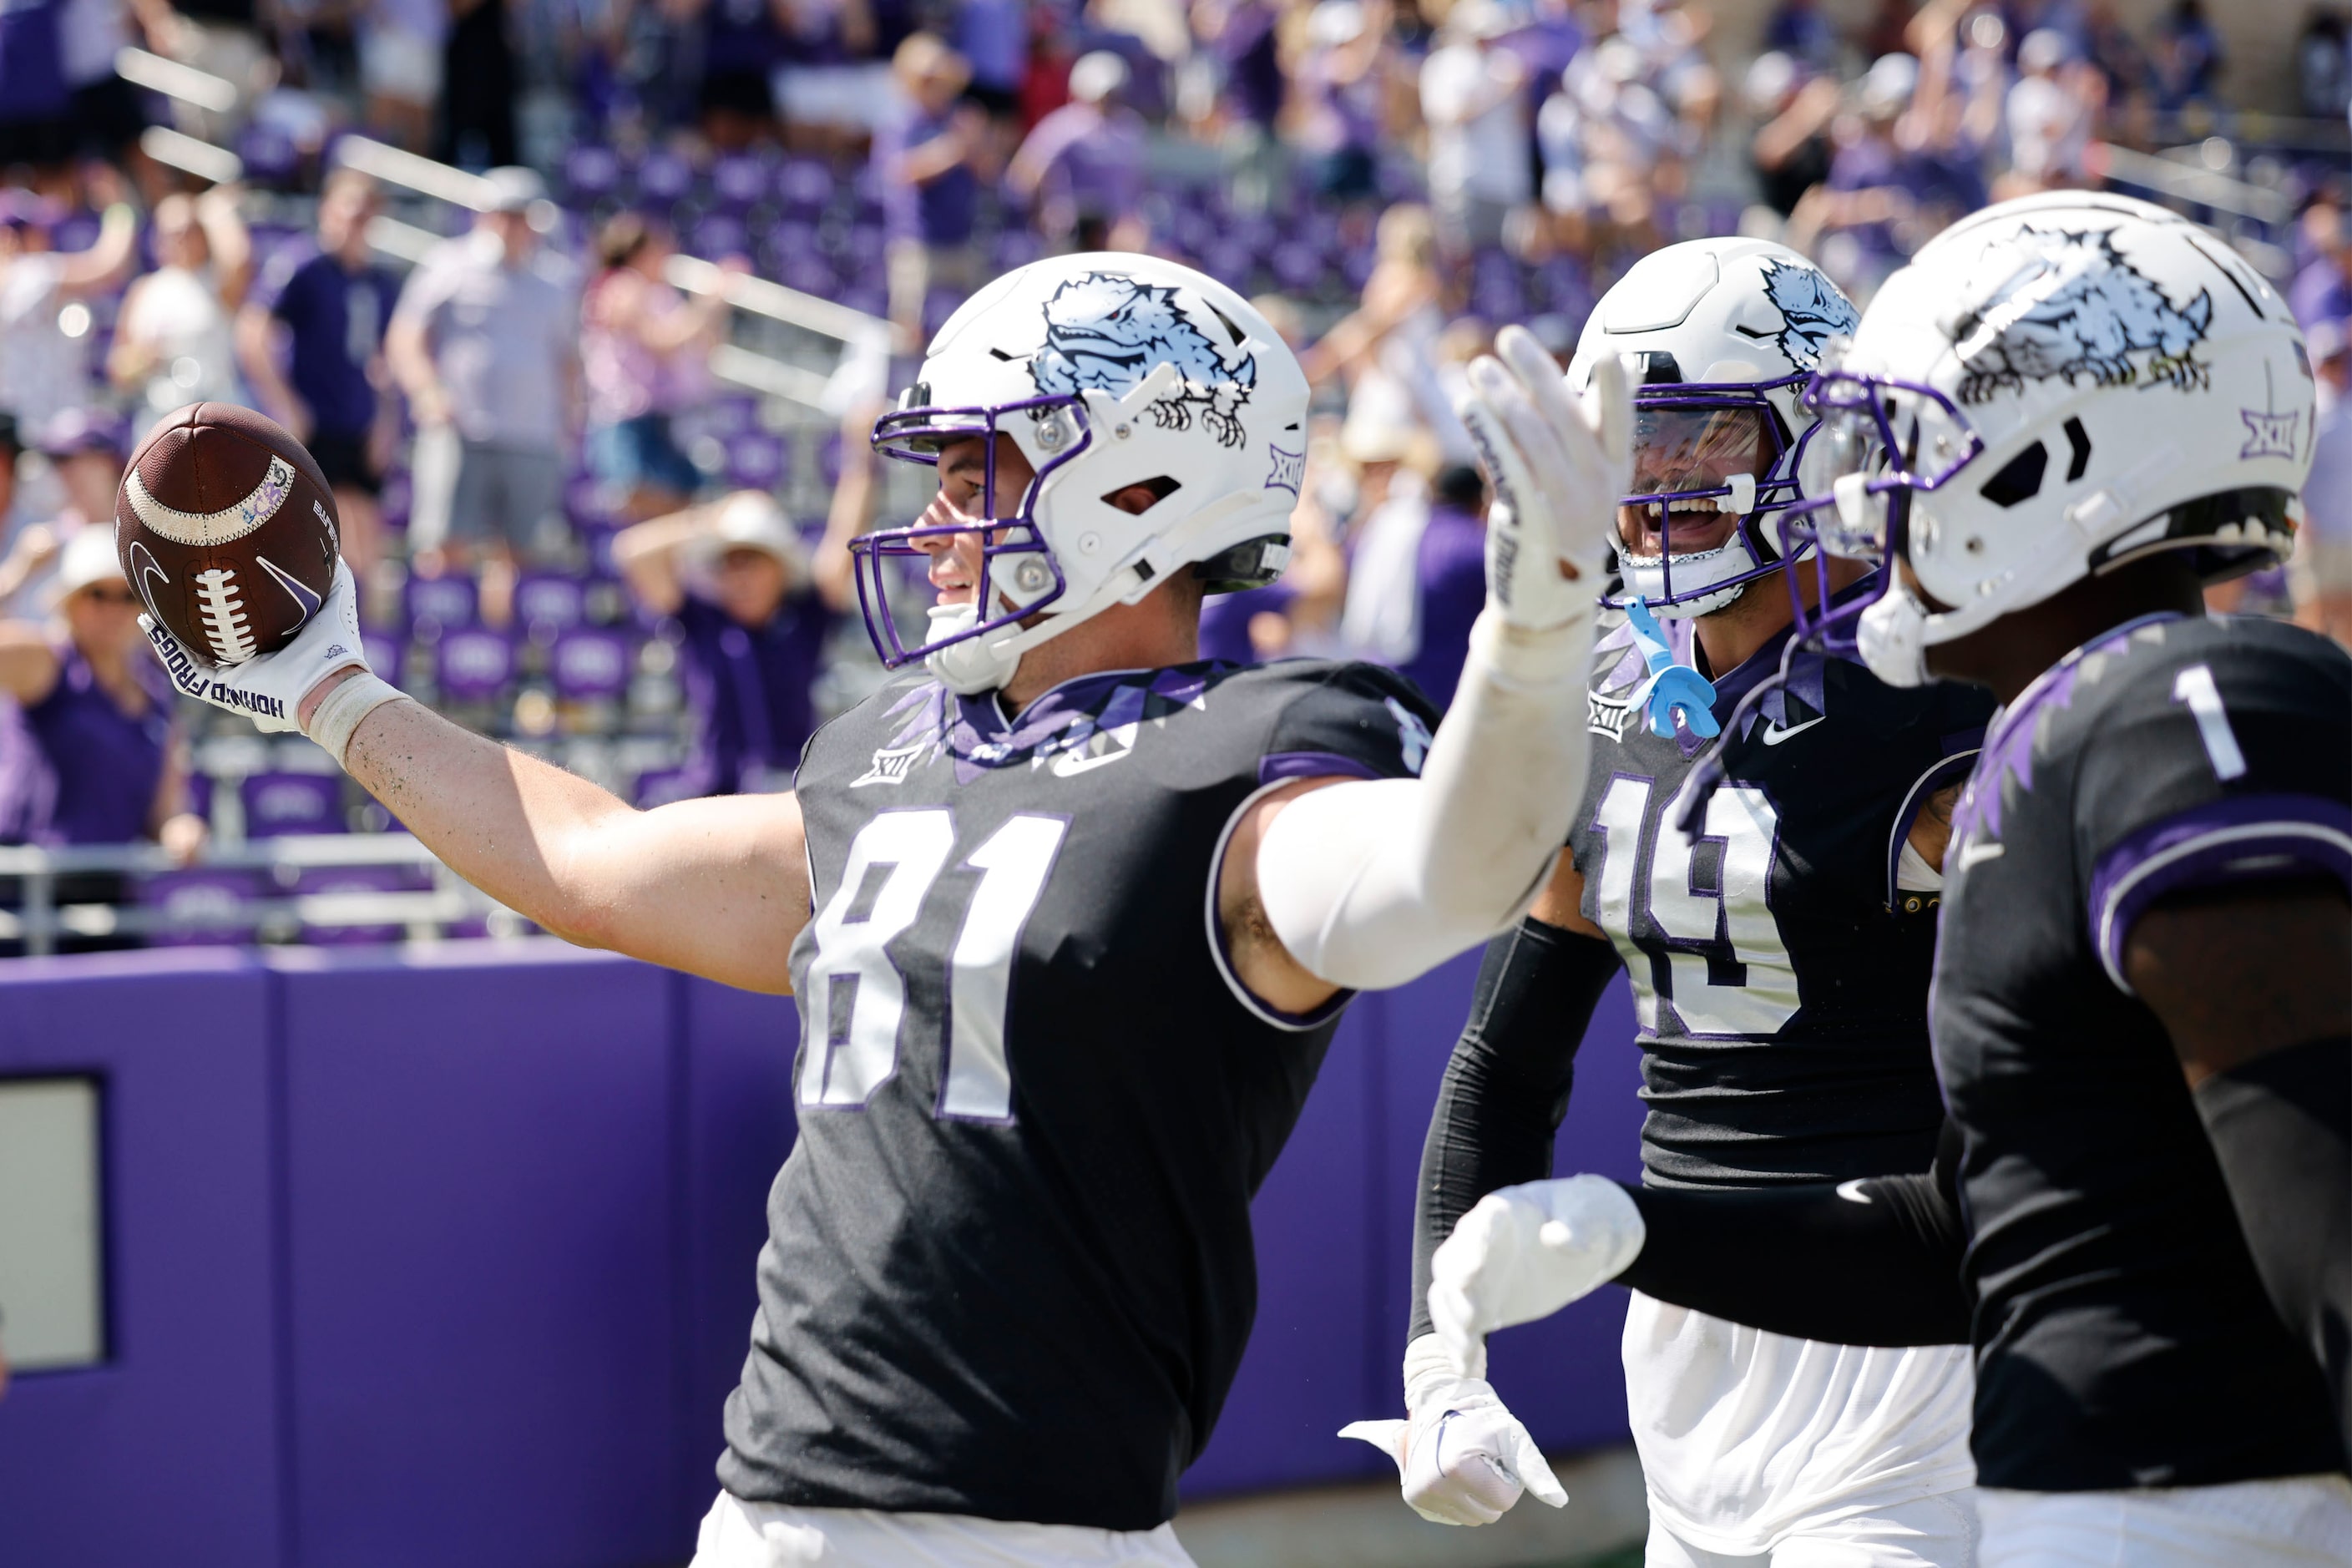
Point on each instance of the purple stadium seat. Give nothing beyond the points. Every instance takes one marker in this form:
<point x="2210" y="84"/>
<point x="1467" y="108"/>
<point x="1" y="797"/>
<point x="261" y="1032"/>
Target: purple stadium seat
<point x="719" y="235"/>
<point x="278" y="804"/>
<point x="1298" y="267"/>
<point x="590" y="173"/>
<point x="755" y="460"/>
<point x="475" y="664"/>
<point x="447" y="603"/>
<point x="828" y="458"/>
<point x="589" y="665"/>
<point x="808" y="272"/>
<point x="213" y="899"/>
<point x="868" y="297"/>
<point x="805" y="185"/>
<point x="357" y="879"/>
<point x="385" y="653"/>
<point x="664" y="177"/>
<point x="549" y="602"/>
<point x="738" y="180"/>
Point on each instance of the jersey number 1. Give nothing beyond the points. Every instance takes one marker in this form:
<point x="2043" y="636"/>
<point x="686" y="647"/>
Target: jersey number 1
<point x="856" y="996"/>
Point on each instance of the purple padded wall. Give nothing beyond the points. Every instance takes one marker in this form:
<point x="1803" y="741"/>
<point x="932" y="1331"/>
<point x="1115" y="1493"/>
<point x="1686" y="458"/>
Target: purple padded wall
<point x="482" y="1184"/>
<point x="446" y="1256"/>
<point x="168" y="1452"/>
<point x="1335" y="1251"/>
<point x="737" y="1111"/>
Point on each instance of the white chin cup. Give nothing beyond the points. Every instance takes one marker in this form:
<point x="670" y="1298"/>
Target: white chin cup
<point x="1893" y="636"/>
<point x="976" y="664"/>
<point x="1699" y="572"/>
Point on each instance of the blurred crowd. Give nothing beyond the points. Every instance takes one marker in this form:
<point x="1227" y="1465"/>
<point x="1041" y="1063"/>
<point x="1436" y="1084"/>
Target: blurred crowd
<point x="571" y="531"/>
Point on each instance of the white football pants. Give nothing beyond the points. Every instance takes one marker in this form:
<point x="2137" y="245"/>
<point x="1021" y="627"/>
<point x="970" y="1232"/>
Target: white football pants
<point x="738" y="1534"/>
<point x="1938" y="1531"/>
<point x="2293" y="1521"/>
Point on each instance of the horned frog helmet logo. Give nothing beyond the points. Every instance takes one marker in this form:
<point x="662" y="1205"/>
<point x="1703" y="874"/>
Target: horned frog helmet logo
<point x="2060" y="304"/>
<point x="1813" y="312"/>
<point x="1106" y="332"/>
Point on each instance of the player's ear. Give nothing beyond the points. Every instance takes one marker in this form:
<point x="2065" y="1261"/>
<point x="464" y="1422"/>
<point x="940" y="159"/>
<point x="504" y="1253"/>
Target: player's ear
<point x="1143" y="495"/>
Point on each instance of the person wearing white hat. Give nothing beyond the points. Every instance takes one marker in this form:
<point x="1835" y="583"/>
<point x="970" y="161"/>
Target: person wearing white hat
<point x="90" y="754"/>
<point x="755" y="607"/>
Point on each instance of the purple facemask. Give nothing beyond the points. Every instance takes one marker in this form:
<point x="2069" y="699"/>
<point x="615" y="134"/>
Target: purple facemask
<point x="1030" y="576"/>
<point x="1685" y="418"/>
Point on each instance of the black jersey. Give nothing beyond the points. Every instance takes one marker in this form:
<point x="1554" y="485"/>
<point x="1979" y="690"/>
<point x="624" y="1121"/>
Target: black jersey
<point x="2122" y="1338"/>
<point x="1010" y="1269"/>
<point x="1779" y="974"/>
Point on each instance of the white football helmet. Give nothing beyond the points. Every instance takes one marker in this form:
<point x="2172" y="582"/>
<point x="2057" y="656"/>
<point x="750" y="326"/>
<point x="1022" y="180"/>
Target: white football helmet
<point x="2055" y="386"/>
<point x="1106" y="370"/>
<point x="1723" y="335"/>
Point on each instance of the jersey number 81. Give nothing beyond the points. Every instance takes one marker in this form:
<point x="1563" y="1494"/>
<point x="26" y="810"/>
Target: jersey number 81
<point x="857" y="997"/>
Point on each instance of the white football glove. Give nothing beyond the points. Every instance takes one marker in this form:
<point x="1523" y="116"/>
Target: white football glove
<point x="1462" y="1458"/>
<point x="1557" y="465"/>
<point x="268" y="689"/>
<point x="1524" y="1253"/>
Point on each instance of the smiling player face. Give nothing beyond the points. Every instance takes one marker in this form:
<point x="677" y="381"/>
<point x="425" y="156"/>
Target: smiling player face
<point x="1690" y="449"/>
<point x="964" y="497"/>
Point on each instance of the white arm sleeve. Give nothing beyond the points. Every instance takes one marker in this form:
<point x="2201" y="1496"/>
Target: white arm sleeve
<point x="1369" y="884"/>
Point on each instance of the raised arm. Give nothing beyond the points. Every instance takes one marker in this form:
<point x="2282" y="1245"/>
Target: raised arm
<point x="1367" y="884"/>
<point x="717" y="887"/>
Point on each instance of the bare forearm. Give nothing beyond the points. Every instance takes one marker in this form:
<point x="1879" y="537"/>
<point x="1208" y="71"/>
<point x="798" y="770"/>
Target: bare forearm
<point x="717" y="887"/>
<point x="501" y="820"/>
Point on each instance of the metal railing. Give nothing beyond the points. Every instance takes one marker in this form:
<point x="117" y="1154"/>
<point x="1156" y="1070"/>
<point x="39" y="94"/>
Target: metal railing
<point x="868" y="341"/>
<point x="40" y="920"/>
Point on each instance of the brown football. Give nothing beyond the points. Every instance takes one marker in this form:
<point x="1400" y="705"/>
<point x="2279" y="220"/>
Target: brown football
<point x="227" y="530"/>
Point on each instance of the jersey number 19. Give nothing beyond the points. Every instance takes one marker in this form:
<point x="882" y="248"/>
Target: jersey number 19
<point x="1694" y="921"/>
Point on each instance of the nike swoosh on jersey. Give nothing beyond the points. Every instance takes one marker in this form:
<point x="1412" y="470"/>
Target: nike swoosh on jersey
<point x="1978" y="852"/>
<point x="1852" y="1191"/>
<point x="1773" y="737"/>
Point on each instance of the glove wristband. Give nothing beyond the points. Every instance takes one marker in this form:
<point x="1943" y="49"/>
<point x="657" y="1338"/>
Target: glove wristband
<point x="1532" y="658"/>
<point x="340" y="712"/>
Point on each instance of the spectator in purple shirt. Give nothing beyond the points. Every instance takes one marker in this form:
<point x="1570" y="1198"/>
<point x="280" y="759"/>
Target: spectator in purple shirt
<point x="931" y="158"/>
<point x="1081" y="170"/>
<point x="754" y="609"/>
<point x="1450" y="569"/>
<point x="319" y="313"/>
<point x="88" y="756"/>
<point x="743" y="41"/>
<point x="1342" y="88"/>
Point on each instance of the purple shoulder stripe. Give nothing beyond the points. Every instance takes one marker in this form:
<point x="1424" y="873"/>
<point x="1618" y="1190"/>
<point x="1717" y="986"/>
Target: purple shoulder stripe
<point x="2249" y="838"/>
<point x="1280" y="765"/>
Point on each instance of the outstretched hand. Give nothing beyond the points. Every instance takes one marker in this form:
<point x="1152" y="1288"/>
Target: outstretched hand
<point x="1558" y="464"/>
<point x="268" y="689"/>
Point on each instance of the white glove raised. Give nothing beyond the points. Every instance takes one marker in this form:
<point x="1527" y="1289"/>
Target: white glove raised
<point x="268" y="689"/>
<point x="1463" y="1458"/>
<point x="1557" y="465"/>
<point x="1524" y="1253"/>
